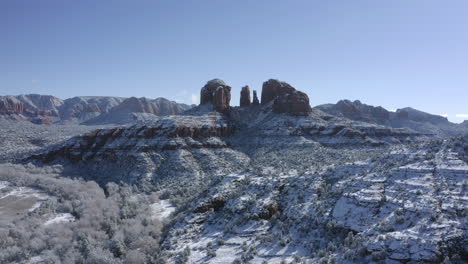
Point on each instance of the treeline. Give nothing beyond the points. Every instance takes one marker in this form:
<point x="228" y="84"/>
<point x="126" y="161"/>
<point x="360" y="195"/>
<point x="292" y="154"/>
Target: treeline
<point x="112" y="225"/>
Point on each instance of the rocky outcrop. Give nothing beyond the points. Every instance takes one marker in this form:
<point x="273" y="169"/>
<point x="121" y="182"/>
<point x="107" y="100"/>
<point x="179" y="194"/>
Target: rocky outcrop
<point x="217" y="93"/>
<point x="255" y="98"/>
<point x="36" y="105"/>
<point x="285" y="98"/>
<point x="150" y="150"/>
<point x="362" y="112"/>
<point x="10" y="105"/>
<point x="420" y="116"/>
<point x="272" y="89"/>
<point x="295" y="103"/>
<point x="215" y="204"/>
<point x="245" y="96"/>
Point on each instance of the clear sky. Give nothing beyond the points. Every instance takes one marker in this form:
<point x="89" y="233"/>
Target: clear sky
<point x="393" y="53"/>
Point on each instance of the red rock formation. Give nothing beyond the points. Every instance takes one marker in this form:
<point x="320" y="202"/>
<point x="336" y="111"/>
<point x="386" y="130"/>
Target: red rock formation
<point x="285" y="98"/>
<point x="255" y="98"/>
<point x="245" y="96"/>
<point x="216" y="92"/>
<point x="11" y="106"/>
<point x="274" y="88"/>
<point x="295" y="103"/>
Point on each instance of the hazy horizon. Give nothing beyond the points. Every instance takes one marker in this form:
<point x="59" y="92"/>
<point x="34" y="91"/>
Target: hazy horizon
<point x="393" y="54"/>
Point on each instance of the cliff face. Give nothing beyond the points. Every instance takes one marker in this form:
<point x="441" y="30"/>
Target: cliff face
<point x="44" y="109"/>
<point x="10" y="106"/>
<point x="82" y="108"/>
<point x="175" y="146"/>
<point x="40" y="109"/>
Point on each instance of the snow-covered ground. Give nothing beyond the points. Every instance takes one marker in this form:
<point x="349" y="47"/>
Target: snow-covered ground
<point x="162" y="209"/>
<point x="16" y="202"/>
<point x="60" y="218"/>
<point x="405" y="206"/>
<point x="20" y="138"/>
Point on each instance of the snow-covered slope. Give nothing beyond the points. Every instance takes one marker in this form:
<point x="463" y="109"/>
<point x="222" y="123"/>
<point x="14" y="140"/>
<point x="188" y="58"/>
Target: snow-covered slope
<point x="256" y="186"/>
<point x="406" y="206"/>
<point x="133" y="109"/>
<point x="402" y="118"/>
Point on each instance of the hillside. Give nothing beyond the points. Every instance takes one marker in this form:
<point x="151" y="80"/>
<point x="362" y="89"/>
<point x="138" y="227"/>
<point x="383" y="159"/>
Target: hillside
<point x="272" y="181"/>
<point x="406" y="117"/>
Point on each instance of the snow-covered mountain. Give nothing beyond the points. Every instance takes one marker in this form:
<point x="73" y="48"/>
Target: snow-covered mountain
<point x="132" y="109"/>
<point x="46" y="109"/>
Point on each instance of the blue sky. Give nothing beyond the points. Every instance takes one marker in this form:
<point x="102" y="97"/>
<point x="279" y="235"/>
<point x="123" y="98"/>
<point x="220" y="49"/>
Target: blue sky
<point x="394" y="53"/>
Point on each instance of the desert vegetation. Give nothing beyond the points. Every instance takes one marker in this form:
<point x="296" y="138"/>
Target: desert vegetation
<point x="111" y="224"/>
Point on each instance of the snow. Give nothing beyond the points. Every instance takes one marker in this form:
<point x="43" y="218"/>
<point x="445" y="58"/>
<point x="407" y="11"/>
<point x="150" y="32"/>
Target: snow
<point x="60" y="218"/>
<point x="162" y="209"/>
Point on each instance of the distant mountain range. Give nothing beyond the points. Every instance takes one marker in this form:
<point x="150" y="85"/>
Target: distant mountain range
<point x="47" y="109"/>
<point x="402" y="118"/>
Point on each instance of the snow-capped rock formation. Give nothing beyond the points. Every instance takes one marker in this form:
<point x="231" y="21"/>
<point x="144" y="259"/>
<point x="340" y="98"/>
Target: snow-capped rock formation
<point x="137" y="153"/>
<point x="83" y="108"/>
<point x="217" y="93"/>
<point x="405" y="117"/>
<point x="9" y="105"/>
<point x="133" y="109"/>
<point x="44" y="109"/>
<point x="170" y="147"/>
<point x="40" y="109"/>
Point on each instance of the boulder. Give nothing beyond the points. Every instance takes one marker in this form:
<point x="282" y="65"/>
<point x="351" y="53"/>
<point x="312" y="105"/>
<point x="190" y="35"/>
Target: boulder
<point x="245" y="96"/>
<point x="217" y="93"/>
<point x="255" y="98"/>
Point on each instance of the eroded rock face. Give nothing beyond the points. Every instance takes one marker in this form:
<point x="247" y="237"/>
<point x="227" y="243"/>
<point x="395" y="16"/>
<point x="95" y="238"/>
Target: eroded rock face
<point x="10" y="105"/>
<point x="40" y="105"/>
<point x="245" y="96"/>
<point x="295" y="103"/>
<point x="285" y="98"/>
<point x="218" y="93"/>
<point x="274" y="88"/>
<point x="255" y="98"/>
